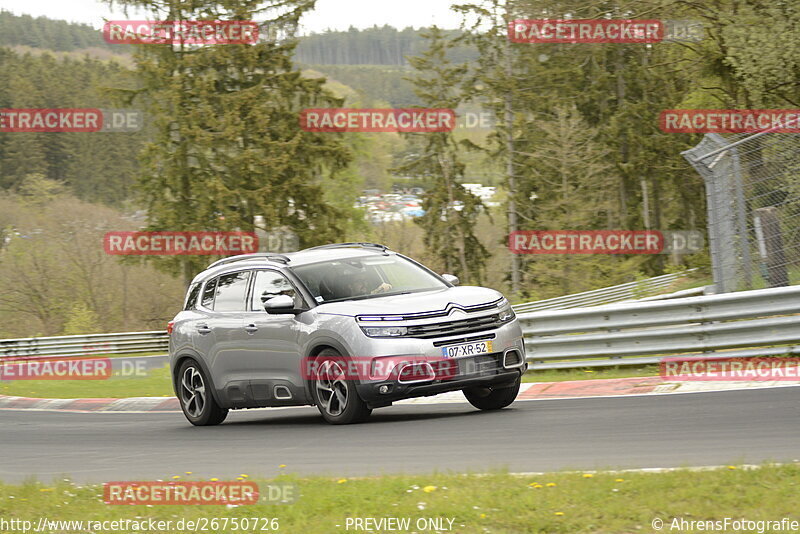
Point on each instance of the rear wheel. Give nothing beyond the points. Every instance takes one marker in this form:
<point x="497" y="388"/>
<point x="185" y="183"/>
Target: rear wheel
<point x="486" y="398"/>
<point x="335" y="393"/>
<point x="195" y="396"/>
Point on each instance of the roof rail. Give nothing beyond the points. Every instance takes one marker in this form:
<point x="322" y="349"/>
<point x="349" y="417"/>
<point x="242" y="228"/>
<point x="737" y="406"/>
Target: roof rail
<point x="350" y="245"/>
<point x="269" y="256"/>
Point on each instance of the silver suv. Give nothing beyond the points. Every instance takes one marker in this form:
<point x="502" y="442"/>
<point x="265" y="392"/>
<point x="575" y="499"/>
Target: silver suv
<point x="346" y="327"/>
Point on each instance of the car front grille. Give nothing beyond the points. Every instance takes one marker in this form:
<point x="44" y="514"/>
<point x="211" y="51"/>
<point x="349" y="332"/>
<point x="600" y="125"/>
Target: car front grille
<point x="454" y="328"/>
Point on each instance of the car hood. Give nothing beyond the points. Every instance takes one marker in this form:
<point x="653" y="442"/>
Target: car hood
<point x="427" y="301"/>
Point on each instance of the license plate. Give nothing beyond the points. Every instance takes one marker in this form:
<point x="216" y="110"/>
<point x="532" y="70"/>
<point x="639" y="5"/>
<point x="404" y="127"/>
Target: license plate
<point x="468" y="349"/>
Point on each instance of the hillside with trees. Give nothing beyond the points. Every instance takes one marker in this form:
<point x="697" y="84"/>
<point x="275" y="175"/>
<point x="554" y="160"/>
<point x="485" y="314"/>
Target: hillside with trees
<point x="575" y="141"/>
<point x="383" y="45"/>
<point x="97" y="167"/>
<point x="43" y="32"/>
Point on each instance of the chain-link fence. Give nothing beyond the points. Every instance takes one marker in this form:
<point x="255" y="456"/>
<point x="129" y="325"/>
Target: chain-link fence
<point x="753" y="196"/>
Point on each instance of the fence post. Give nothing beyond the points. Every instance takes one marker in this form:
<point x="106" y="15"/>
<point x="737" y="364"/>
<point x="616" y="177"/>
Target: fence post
<point x="770" y="246"/>
<point x="717" y="161"/>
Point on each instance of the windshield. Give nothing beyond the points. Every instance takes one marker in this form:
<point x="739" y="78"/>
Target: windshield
<point x="367" y="277"/>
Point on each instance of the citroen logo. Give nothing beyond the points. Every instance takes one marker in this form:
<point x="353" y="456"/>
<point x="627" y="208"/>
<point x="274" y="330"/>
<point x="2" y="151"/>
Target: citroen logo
<point x="455" y="310"/>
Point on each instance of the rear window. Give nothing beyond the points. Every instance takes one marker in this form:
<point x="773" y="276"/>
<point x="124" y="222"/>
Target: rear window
<point x="208" y="294"/>
<point x="191" y="297"/>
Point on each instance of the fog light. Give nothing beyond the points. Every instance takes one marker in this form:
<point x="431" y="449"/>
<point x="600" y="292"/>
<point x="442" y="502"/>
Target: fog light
<point x="383" y="389"/>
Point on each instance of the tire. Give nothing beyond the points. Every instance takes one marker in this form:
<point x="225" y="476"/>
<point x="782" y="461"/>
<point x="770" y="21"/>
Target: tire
<point x="194" y="394"/>
<point x="485" y="398"/>
<point x="334" y="394"/>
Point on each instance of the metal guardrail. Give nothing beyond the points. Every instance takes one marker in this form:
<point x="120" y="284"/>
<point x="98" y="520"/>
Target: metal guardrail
<point x="85" y="345"/>
<point x="607" y="295"/>
<point x="748" y="323"/>
<point x="691" y="292"/>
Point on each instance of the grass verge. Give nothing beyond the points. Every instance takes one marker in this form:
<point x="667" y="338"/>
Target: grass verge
<point x="498" y="503"/>
<point x="588" y="373"/>
<point x="156" y="383"/>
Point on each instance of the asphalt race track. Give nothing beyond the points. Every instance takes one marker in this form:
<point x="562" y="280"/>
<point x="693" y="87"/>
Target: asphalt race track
<point x="631" y="432"/>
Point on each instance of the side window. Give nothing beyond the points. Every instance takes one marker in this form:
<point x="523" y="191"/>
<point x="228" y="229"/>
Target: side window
<point x="208" y="294"/>
<point x="269" y="284"/>
<point x="231" y="291"/>
<point x="191" y="297"/>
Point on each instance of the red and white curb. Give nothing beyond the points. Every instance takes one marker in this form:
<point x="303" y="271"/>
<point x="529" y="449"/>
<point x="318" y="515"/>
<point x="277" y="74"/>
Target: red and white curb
<point x="132" y="404"/>
<point x="576" y="389"/>
<point x="624" y="387"/>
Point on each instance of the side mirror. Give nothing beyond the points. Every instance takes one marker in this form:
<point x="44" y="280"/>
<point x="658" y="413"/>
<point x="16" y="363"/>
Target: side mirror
<point x="280" y="304"/>
<point x="451" y="279"/>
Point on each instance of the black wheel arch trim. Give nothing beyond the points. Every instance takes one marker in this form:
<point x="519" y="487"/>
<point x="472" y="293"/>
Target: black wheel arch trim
<point x="191" y="355"/>
<point x="318" y="346"/>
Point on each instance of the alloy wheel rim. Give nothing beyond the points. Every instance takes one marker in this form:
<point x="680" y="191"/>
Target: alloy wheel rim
<point x="331" y="388"/>
<point x="193" y="392"/>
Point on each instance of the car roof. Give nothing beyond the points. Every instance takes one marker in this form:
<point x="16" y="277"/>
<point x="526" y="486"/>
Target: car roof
<point x="290" y="259"/>
<point x="304" y="257"/>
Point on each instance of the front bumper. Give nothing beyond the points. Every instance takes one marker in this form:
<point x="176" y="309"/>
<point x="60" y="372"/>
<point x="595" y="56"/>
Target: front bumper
<point x="481" y="371"/>
<point x="502" y="366"/>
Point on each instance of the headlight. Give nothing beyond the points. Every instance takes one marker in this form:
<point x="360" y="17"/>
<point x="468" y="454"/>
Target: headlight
<point x="506" y="315"/>
<point x="384" y="331"/>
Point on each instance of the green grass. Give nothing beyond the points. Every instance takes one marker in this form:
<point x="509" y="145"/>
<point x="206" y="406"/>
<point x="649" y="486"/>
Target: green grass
<point x="130" y="354"/>
<point x="98" y="354"/>
<point x="587" y="373"/>
<point x="155" y="384"/>
<point x="498" y="503"/>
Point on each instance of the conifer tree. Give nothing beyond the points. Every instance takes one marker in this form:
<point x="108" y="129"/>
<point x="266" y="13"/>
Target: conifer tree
<point x="450" y="210"/>
<point x="227" y="140"/>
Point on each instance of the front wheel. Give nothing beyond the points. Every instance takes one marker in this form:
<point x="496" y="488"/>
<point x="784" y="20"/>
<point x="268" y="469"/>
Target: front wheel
<point x="197" y="401"/>
<point x="486" y="398"/>
<point x="335" y="393"/>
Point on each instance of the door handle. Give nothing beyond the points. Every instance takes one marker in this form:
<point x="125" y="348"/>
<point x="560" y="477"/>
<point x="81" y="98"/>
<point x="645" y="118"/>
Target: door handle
<point x="251" y="329"/>
<point x="203" y="329"/>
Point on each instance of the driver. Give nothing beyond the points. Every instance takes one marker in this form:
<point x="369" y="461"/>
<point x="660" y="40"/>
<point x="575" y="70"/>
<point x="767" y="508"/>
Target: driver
<point x="359" y="285"/>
